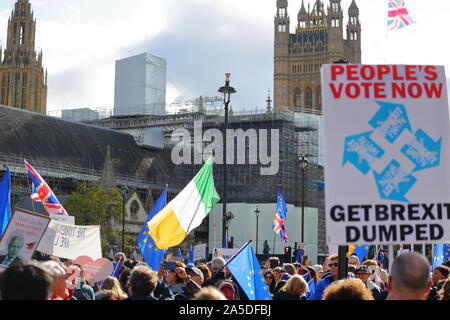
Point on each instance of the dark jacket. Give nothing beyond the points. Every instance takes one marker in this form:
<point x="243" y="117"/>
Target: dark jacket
<point x="162" y="291"/>
<point x="283" y="295"/>
<point x="83" y="291"/>
<point x="216" y="277"/>
<point x="188" y="291"/>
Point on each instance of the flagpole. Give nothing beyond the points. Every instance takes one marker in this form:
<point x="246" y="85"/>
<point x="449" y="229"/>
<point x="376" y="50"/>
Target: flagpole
<point x="274" y="236"/>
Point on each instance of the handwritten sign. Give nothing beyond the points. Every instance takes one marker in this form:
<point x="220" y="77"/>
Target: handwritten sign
<point x="69" y="241"/>
<point x="21" y="237"/>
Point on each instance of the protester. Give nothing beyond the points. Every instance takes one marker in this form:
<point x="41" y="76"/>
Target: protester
<point x="113" y="285"/>
<point x="409" y="278"/>
<point x="123" y="279"/>
<point x="205" y="270"/>
<point x="26" y="281"/>
<point x="363" y="273"/>
<point x="347" y="289"/>
<point x="142" y="283"/>
<point x="269" y="277"/>
<point x="312" y="275"/>
<point x="82" y="289"/>
<point x="319" y="271"/>
<point x="218" y="273"/>
<point x="327" y="279"/>
<point x="209" y="293"/>
<point x="444" y="292"/>
<point x="60" y="276"/>
<point x="440" y="274"/>
<point x="294" y="289"/>
<point x="196" y="275"/>
<point x="104" y="295"/>
<point x="354" y="261"/>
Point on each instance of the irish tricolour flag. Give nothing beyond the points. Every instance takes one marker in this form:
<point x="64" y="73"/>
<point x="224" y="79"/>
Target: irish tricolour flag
<point x="186" y="212"/>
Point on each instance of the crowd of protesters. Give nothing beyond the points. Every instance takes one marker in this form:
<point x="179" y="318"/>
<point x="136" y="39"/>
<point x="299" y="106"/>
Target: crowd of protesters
<point x="410" y="278"/>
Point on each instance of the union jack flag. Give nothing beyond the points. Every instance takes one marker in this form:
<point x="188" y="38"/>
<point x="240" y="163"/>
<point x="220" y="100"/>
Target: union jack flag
<point x="42" y="192"/>
<point x="280" y="217"/>
<point x="398" y="15"/>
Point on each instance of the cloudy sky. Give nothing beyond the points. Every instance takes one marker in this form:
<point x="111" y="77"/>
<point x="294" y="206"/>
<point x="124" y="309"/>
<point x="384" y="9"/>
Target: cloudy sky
<point x="201" y="40"/>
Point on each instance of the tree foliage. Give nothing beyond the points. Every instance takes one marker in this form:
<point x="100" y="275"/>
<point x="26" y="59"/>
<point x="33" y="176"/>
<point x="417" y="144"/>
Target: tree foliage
<point x="92" y="205"/>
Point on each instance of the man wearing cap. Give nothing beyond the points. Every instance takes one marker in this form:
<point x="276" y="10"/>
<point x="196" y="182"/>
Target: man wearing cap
<point x="196" y="275"/>
<point x="363" y="273"/>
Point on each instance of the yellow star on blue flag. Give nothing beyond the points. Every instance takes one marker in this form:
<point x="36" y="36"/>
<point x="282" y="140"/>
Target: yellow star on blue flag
<point x="361" y="251"/>
<point x="441" y="254"/>
<point x="152" y="255"/>
<point x="246" y="271"/>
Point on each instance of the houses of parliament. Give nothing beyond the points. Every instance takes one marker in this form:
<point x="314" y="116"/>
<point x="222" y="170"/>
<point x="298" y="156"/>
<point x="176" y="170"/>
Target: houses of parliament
<point x="318" y="39"/>
<point x="23" y="83"/>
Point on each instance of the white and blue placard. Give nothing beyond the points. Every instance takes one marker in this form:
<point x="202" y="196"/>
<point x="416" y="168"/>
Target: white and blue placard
<point x="387" y="157"/>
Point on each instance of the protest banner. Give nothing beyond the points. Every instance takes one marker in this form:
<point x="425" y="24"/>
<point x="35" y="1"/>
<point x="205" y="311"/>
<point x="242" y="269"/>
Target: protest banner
<point x="22" y="236"/>
<point x="199" y="252"/>
<point x="97" y="270"/>
<point x="69" y="241"/>
<point x="227" y="254"/>
<point x="62" y="218"/>
<point x="387" y="154"/>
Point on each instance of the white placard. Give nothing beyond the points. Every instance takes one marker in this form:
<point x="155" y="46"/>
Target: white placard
<point x="21" y="237"/>
<point x="62" y="218"/>
<point x="70" y="241"/>
<point x="200" y="252"/>
<point x="387" y="175"/>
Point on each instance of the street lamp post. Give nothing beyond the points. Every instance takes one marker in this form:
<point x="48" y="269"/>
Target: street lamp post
<point x="227" y="90"/>
<point x="257" y="212"/>
<point x="303" y="164"/>
<point x="124" y="191"/>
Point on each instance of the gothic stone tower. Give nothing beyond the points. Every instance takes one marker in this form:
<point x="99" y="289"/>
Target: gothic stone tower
<point x="23" y="83"/>
<point x="318" y="39"/>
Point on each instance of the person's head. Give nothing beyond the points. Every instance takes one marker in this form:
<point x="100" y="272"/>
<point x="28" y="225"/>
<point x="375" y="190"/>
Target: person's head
<point x="112" y="284"/>
<point x="409" y="278"/>
<point x="371" y="263"/>
<point x="306" y="261"/>
<point x="209" y="293"/>
<point x="440" y="273"/>
<point x="217" y="264"/>
<point x="26" y="281"/>
<point x="278" y="273"/>
<point x="205" y="270"/>
<point x="269" y="277"/>
<point x="124" y="276"/>
<point x="196" y="275"/>
<point x="312" y="273"/>
<point x="333" y="265"/>
<point x="347" y="289"/>
<point x="142" y="281"/>
<point x="120" y="256"/>
<point x="354" y="261"/>
<point x="444" y="292"/>
<point x="172" y="277"/>
<point x="319" y="271"/>
<point x="363" y="273"/>
<point x="295" y="285"/>
<point x="289" y="268"/>
<point x="15" y="244"/>
<point x="60" y="278"/>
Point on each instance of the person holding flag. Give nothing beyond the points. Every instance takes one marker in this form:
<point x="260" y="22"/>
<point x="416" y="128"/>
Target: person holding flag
<point x="150" y="252"/>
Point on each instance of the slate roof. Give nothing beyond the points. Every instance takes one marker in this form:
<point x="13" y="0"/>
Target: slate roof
<point x="30" y="135"/>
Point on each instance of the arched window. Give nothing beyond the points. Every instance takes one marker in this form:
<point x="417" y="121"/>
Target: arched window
<point x="308" y="98"/>
<point x="319" y="97"/>
<point x="134" y="209"/>
<point x="297" y="99"/>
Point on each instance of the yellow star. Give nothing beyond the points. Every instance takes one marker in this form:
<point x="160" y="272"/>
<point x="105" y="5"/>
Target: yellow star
<point x="249" y="278"/>
<point x="150" y="246"/>
<point x="252" y="292"/>
<point x="249" y="284"/>
<point x="265" y="288"/>
<point x="144" y="233"/>
<point x="262" y="279"/>
<point x="156" y="249"/>
<point x="144" y="240"/>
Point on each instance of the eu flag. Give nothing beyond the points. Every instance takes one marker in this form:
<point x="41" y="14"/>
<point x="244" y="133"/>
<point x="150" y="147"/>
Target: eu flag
<point x="361" y="251"/>
<point x="5" y="201"/>
<point x="152" y="255"/>
<point x="191" y="256"/>
<point x="246" y="271"/>
<point x="180" y="255"/>
<point x="441" y="254"/>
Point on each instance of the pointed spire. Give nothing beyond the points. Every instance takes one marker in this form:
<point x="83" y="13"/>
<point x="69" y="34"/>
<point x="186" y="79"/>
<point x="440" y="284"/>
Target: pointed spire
<point x="353" y="9"/>
<point x="302" y="14"/>
<point x="269" y="104"/>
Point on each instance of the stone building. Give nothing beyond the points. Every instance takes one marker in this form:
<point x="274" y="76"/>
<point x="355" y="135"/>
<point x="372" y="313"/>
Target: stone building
<point x="318" y="39"/>
<point x="23" y="83"/>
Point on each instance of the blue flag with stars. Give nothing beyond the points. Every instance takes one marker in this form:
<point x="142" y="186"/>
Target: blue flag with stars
<point x="180" y="255"/>
<point x="152" y="255"/>
<point x="5" y="201"/>
<point x="191" y="256"/>
<point x="441" y="254"/>
<point x="246" y="271"/>
<point x="361" y="251"/>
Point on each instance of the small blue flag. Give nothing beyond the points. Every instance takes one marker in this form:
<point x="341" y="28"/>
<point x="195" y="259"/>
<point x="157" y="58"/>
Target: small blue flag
<point x="311" y="288"/>
<point x="5" y="201"/>
<point x="441" y="254"/>
<point x="246" y="271"/>
<point x="361" y="251"/>
<point x="151" y="253"/>
<point x="179" y="255"/>
<point x="299" y="255"/>
<point x="191" y="256"/>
